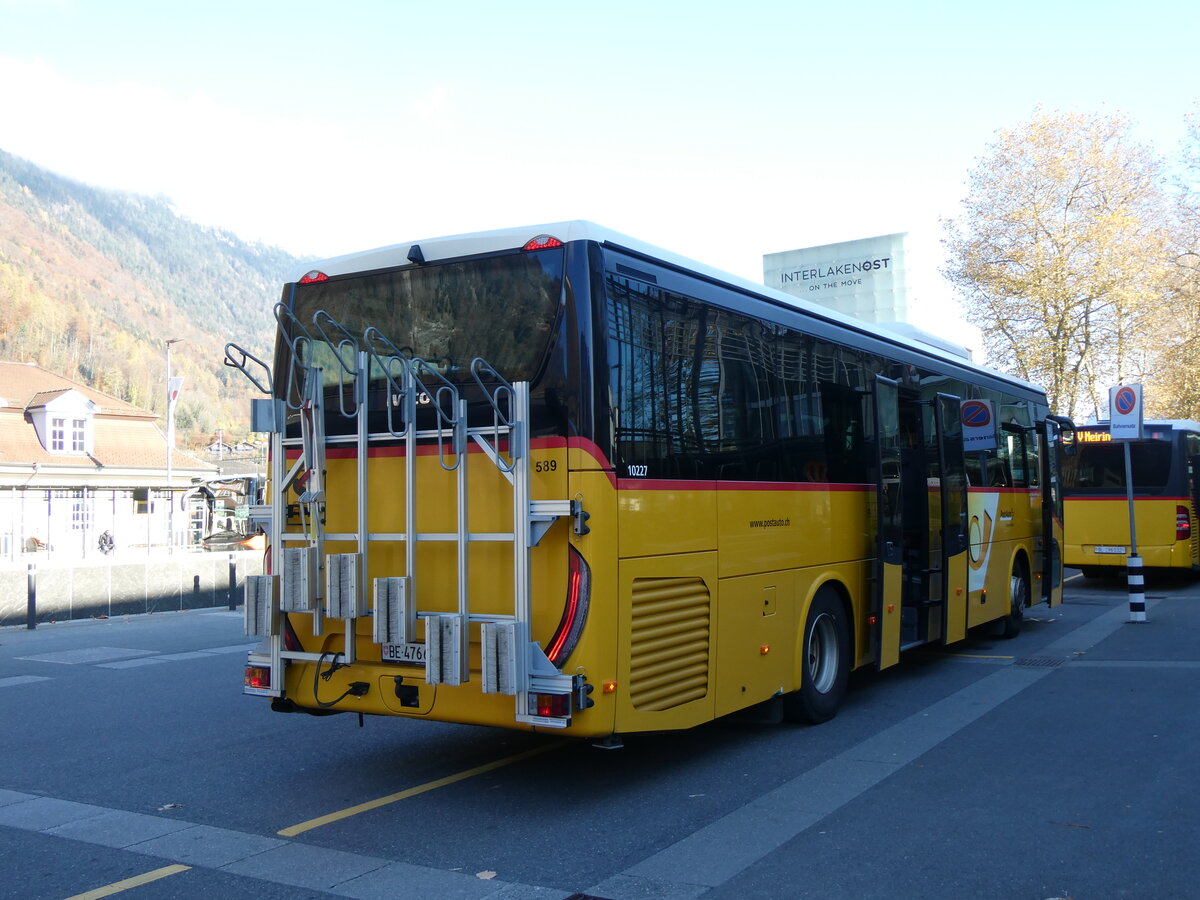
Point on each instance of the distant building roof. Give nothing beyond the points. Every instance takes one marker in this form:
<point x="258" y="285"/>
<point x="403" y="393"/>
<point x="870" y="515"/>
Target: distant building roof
<point x="43" y="397"/>
<point x="125" y="436"/>
<point x="26" y="385"/>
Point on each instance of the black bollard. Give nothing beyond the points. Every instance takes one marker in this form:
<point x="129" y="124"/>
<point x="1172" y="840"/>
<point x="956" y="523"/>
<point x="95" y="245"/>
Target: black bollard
<point x="31" y="606"/>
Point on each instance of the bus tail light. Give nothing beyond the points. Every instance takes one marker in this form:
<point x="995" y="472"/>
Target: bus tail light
<point x="1183" y="523"/>
<point x="313" y="277"/>
<point x="257" y="679"/>
<point x="542" y="242"/>
<point x="550" y="706"/>
<point x="579" y="592"/>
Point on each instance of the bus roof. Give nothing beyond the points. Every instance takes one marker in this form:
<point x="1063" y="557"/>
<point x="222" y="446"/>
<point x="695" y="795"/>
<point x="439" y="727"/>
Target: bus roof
<point x="453" y="246"/>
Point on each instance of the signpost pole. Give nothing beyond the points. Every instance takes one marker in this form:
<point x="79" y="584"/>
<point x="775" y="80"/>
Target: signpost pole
<point x="1125" y="425"/>
<point x="1133" y="550"/>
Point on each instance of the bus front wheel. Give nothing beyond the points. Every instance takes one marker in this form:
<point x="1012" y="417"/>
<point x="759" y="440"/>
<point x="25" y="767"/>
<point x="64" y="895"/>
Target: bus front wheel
<point x="825" y="667"/>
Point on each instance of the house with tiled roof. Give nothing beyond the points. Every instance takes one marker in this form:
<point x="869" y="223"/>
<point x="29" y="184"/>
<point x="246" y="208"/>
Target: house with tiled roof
<point x="75" y="462"/>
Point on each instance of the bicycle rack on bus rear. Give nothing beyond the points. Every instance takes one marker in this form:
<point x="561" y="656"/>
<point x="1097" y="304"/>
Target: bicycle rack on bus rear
<point x="512" y="663"/>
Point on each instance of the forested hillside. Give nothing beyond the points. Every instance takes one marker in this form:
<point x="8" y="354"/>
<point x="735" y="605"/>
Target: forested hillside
<point x="94" y="282"/>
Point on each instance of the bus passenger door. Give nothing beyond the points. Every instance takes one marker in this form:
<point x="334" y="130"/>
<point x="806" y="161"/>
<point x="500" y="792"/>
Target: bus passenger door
<point x="889" y="553"/>
<point x="1052" y="509"/>
<point x="952" y="475"/>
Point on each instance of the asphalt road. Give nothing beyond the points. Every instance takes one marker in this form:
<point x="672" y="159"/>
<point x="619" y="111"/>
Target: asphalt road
<point x="1058" y="764"/>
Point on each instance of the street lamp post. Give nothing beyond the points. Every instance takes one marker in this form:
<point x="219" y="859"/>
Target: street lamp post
<point x="170" y="435"/>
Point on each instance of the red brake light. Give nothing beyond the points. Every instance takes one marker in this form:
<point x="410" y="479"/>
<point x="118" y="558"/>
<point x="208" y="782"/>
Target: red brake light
<point x="557" y="706"/>
<point x="314" y="276"/>
<point x="579" y="594"/>
<point x="1183" y="523"/>
<point x="542" y="242"/>
<point x="258" y="676"/>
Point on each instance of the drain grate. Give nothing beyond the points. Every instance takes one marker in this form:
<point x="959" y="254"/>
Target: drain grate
<point x="1046" y="662"/>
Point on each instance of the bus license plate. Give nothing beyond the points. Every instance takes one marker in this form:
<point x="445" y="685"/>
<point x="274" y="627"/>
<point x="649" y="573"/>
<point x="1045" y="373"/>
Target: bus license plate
<point x="1115" y="551"/>
<point x="404" y="653"/>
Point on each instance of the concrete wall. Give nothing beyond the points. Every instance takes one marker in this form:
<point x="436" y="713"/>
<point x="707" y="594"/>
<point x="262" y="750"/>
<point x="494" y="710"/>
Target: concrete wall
<point x="92" y="589"/>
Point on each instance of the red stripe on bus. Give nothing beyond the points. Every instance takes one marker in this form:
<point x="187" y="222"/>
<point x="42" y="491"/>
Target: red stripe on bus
<point x="397" y="451"/>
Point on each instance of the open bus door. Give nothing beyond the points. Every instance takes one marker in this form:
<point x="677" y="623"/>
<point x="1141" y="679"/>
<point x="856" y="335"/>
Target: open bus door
<point x="886" y="598"/>
<point x="1054" y="430"/>
<point x="952" y="473"/>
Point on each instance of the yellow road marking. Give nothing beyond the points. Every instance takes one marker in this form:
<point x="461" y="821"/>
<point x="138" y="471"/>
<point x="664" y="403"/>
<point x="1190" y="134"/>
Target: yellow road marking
<point x="293" y="830"/>
<point x="135" y="881"/>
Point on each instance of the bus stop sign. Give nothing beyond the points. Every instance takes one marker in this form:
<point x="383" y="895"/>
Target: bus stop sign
<point x="1125" y="412"/>
<point x="978" y="425"/>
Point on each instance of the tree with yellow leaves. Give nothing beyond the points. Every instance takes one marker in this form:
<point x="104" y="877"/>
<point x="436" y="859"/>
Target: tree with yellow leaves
<point x="1173" y="389"/>
<point x="1059" y="255"/>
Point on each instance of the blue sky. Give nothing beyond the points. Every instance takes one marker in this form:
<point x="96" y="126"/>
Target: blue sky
<point x="721" y="131"/>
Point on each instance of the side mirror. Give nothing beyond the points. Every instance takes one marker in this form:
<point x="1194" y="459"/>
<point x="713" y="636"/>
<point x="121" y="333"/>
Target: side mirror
<point x="1066" y="432"/>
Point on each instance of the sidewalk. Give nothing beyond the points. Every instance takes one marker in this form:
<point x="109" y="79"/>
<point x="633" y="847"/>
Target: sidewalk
<point x="1067" y="770"/>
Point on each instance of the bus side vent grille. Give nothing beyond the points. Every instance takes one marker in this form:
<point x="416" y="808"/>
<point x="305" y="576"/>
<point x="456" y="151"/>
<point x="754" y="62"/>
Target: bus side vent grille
<point x="669" y="644"/>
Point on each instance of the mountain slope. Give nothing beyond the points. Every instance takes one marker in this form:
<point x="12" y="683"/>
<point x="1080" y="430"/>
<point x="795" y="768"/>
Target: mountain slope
<point x="94" y="282"/>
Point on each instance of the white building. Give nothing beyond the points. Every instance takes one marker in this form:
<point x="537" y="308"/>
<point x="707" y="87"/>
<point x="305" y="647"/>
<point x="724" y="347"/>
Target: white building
<point x="75" y="462"/>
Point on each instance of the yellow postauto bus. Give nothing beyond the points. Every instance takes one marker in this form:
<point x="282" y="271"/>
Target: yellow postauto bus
<point x="553" y="478"/>
<point x="1164" y="498"/>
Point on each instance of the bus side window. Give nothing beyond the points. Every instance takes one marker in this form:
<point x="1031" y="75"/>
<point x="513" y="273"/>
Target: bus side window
<point x="998" y="474"/>
<point x="1019" y="469"/>
<point x="996" y="469"/>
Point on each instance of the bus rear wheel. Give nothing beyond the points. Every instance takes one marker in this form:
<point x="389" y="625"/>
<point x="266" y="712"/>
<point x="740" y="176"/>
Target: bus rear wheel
<point x="825" y="667"/>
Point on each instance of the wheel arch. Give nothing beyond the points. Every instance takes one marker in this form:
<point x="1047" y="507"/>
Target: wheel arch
<point x="827" y="586"/>
<point x="1020" y="557"/>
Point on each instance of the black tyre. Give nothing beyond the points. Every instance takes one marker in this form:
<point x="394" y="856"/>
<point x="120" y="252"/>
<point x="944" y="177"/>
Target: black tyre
<point x="1018" y="599"/>
<point x="825" y="667"/>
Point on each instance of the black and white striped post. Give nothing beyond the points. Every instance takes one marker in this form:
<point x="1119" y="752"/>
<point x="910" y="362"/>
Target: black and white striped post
<point x="1137" y="589"/>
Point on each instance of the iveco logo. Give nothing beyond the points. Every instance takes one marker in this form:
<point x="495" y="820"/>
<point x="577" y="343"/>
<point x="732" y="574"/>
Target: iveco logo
<point x="423" y="399"/>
